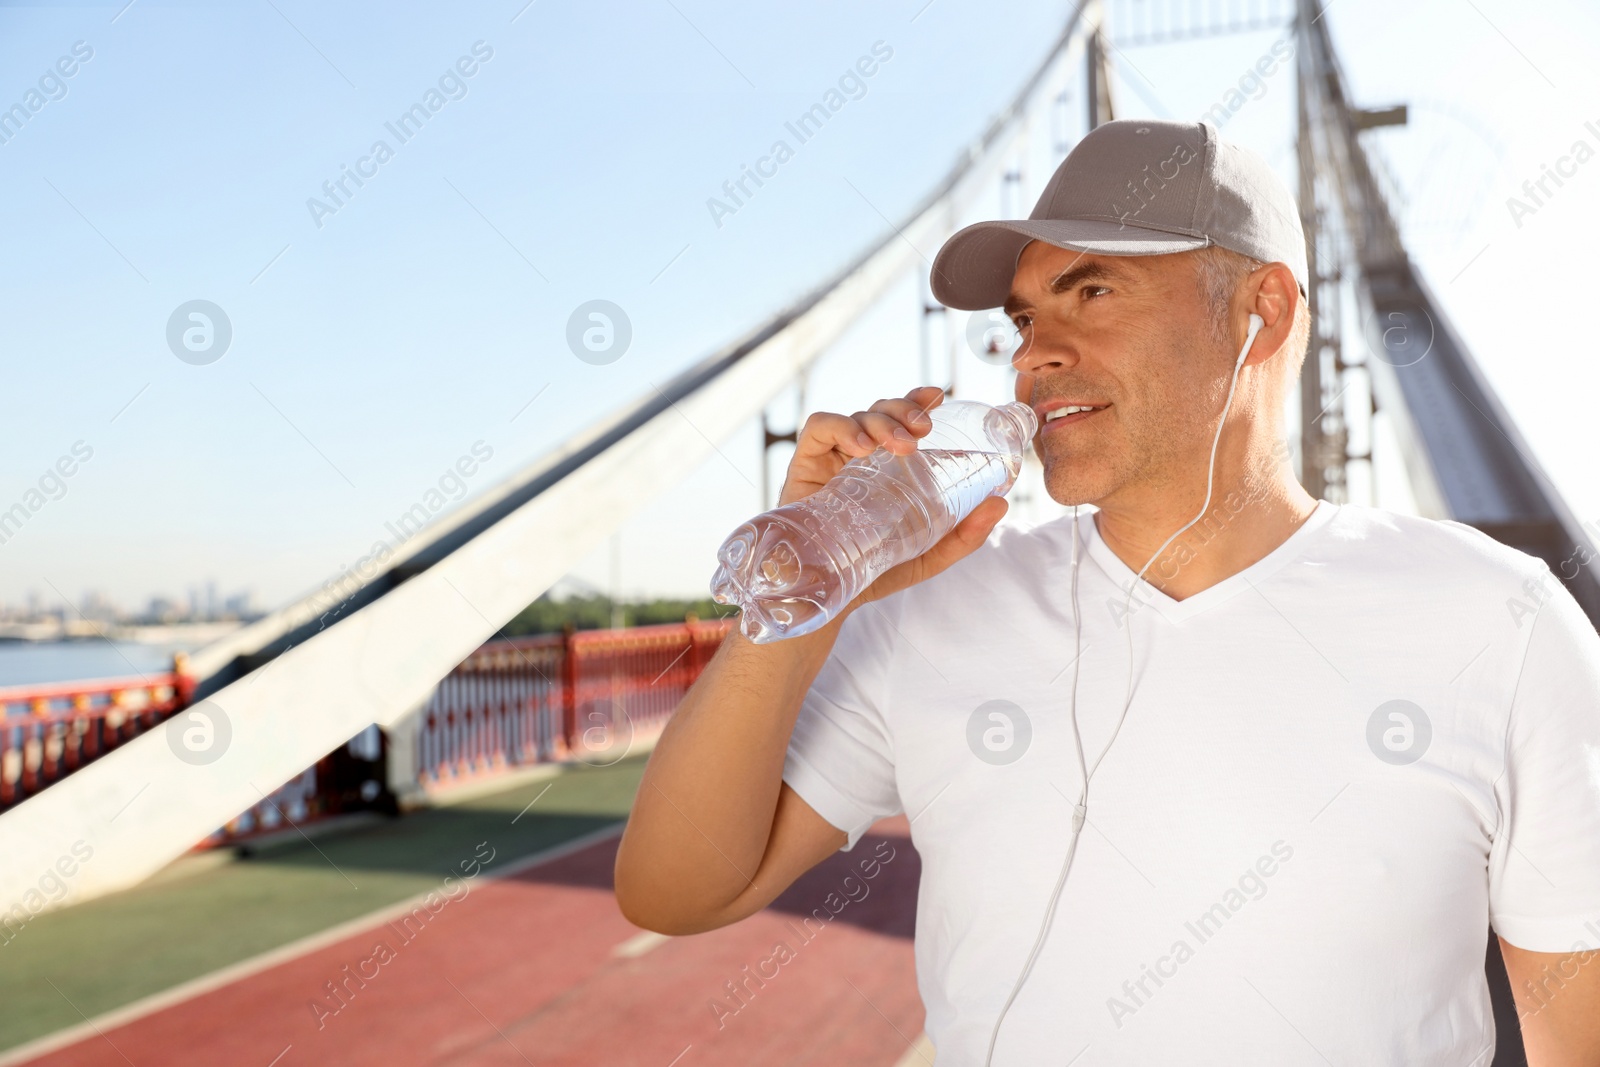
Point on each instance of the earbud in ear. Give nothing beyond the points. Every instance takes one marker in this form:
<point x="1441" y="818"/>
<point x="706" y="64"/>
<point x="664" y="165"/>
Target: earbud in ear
<point x="1256" y="322"/>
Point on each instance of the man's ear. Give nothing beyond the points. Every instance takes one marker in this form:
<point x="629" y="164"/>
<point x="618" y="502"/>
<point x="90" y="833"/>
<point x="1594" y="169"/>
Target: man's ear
<point x="1271" y="292"/>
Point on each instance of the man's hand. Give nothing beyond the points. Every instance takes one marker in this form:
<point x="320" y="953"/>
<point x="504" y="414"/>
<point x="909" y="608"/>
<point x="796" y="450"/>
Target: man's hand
<point x="716" y="833"/>
<point x="828" y="441"/>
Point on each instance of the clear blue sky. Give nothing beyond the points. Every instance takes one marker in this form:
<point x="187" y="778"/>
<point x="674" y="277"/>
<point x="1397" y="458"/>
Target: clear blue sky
<point x="370" y="353"/>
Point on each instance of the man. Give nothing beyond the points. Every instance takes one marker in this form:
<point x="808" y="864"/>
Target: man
<point x="1345" y="741"/>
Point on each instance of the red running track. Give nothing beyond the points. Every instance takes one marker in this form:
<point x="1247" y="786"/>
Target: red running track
<point x="522" y="970"/>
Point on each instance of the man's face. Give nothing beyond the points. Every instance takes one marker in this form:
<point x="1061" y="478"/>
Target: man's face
<point x="1129" y="335"/>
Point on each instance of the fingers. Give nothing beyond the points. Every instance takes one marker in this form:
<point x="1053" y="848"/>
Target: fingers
<point x="826" y="432"/>
<point x="894" y="424"/>
<point x="887" y="431"/>
<point x="922" y="399"/>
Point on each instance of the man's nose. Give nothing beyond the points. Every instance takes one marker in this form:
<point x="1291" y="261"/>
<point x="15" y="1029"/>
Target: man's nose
<point x="1044" y="351"/>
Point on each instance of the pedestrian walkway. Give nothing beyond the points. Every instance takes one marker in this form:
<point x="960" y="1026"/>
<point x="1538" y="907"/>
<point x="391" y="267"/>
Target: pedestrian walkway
<point x="520" y="957"/>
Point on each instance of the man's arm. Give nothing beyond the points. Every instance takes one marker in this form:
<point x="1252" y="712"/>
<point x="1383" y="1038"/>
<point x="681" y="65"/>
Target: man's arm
<point x="715" y="834"/>
<point x="1551" y="799"/>
<point x="1558" y="1005"/>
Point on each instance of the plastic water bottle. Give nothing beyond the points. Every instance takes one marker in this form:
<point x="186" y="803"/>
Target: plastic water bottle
<point x="794" y="568"/>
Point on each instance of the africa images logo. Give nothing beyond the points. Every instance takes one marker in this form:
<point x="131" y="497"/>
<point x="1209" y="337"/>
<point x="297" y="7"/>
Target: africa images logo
<point x="1399" y="732"/>
<point x="998" y="732"/>
<point x="201" y="734"/>
<point x="599" y="332"/>
<point x="199" y="332"/>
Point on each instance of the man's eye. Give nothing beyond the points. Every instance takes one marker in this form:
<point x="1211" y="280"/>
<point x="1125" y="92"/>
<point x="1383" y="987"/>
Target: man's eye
<point x="1092" y="291"/>
<point x="1021" y="322"/>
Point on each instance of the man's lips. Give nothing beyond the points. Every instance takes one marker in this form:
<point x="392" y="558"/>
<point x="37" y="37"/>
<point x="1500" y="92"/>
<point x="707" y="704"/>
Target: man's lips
<point x="1054" y="414"/>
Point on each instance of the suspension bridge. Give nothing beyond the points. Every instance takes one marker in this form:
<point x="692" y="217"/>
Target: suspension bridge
<point x="393" y="684"/>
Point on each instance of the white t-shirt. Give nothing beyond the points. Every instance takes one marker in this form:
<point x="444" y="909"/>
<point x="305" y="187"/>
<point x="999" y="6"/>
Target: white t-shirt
<point x="1281" y="864"/>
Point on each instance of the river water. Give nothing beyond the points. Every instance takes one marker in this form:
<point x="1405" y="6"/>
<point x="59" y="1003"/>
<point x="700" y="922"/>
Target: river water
<point x="30" y="662"/>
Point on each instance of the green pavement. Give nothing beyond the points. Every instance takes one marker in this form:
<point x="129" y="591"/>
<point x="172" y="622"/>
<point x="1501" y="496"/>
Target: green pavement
<point x="205" y="914"/>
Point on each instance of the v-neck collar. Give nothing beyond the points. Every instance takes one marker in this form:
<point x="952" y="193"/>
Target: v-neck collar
<point x="1122" y="576"/>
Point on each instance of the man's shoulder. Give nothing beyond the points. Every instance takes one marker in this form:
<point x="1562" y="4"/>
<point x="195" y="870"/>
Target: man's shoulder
<point x="1413" y="544"/>
<point x="1438" y="569"/>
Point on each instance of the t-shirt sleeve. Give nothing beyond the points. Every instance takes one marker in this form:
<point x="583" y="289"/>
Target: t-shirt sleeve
<point x="1544" y="890"/>
<point x="839" y="759"/>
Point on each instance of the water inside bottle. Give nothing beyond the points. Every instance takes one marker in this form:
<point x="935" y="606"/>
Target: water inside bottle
<point x="791" y="569"/>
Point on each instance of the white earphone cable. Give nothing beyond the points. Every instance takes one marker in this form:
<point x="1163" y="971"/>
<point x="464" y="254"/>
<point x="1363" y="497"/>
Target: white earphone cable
<point x="1080" y="811"/>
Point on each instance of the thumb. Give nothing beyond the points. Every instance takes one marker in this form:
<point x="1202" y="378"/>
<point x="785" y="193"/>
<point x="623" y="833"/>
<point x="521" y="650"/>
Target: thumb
<point x="968" y="535"/>
<point x="961" y="541"/>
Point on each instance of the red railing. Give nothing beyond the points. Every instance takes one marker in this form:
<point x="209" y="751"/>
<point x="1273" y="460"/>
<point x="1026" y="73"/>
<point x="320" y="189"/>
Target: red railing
<point x="49" y="731"/>
<point x="583" y="696"/>
<point x="302" y="799"/>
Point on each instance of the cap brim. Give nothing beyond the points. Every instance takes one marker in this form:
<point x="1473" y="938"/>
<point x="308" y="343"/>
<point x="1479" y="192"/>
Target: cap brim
<point x="974" y="269"/>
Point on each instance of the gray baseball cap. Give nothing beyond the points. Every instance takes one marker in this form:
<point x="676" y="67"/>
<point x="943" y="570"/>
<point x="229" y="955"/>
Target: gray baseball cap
<point x="1133" y="187"/>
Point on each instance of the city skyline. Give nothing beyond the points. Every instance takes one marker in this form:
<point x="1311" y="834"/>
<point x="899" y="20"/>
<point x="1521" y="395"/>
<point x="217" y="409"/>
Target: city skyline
<point x="198" y="603"/>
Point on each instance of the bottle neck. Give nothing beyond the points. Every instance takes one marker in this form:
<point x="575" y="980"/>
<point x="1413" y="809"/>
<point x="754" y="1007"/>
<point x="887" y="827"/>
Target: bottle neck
<point x="1023" y="416"/>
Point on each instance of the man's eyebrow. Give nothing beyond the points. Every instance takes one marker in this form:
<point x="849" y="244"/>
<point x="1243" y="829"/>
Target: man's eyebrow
<point x="1067" y="279"/>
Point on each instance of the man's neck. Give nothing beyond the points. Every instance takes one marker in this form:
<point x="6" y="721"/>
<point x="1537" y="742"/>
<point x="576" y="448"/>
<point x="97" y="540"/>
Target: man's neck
<point x="1246" y="520"/>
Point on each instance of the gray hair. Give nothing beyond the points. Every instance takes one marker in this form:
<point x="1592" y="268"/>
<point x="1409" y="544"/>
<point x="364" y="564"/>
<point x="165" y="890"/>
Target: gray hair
<point x="1218" y="272"/>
